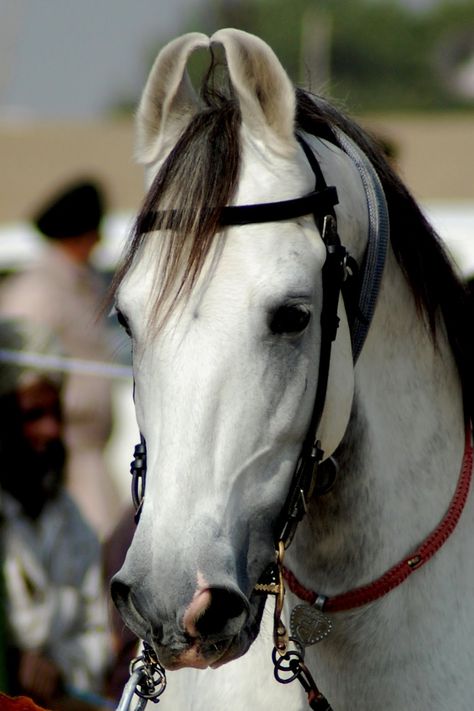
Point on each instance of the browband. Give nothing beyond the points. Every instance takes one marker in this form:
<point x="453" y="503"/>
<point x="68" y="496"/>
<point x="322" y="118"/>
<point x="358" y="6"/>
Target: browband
<point x="318" y="202"/>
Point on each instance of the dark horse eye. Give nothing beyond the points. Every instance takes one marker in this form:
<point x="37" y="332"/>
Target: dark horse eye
<point x="290" y="319"/>
<point x="123" y="321"/>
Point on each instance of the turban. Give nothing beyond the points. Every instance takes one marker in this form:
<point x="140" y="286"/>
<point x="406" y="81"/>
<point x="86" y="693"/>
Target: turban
<point x="72" y="212"/>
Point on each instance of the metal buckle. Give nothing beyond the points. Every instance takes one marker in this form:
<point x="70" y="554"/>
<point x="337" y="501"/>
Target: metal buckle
<point x="138" y="472"/>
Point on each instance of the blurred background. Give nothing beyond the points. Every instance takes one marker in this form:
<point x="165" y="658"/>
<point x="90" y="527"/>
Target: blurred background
<point x="71" y="73"/>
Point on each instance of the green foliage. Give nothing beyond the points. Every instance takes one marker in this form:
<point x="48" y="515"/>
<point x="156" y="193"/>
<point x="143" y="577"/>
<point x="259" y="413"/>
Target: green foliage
<point x="382" y="54"/>
<point x="380" y="57"/>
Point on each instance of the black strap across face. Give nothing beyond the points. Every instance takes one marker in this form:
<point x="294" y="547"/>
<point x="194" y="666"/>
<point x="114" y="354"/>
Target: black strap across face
<point x="320" y="202"/>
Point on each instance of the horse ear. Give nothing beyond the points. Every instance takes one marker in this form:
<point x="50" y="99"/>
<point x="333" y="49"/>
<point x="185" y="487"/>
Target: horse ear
<point x="168" y="101"/>
<point x="263" y="88"/>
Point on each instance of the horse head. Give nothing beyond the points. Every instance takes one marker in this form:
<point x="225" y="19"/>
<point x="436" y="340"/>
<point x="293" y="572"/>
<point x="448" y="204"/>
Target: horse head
<point x="225" y="323"/>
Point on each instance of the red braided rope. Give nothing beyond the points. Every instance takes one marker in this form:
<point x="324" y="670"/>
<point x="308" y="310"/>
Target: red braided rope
<point x="401" y="571"/>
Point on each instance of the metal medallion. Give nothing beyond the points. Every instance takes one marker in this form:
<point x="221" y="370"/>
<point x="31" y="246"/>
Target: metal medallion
<point x="309" y="625"/>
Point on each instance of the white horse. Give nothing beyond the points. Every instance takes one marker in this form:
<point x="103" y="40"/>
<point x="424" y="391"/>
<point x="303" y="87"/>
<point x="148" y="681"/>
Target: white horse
<point x="224" y="311"/>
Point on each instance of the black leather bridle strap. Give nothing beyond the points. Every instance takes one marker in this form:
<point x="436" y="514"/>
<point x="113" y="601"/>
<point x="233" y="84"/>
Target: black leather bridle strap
<point x="333" y="275"/>
<point x="138" y="472"/>
<point x="320" y="203"/>
<point x="305" y="475"/>
<point x="317" y="202"/>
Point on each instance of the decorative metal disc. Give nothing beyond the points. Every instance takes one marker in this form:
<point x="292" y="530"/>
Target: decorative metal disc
<point x="309" y="625"/>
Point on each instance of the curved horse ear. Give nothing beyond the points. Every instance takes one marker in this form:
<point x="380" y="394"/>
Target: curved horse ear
<point x="265" y="93"/>
<point x="168" y="101"/>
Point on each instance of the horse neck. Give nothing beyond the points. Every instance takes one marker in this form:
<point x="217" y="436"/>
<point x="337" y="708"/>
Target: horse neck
<point x="401" y="455"/>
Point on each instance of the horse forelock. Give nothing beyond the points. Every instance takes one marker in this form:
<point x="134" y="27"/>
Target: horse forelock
<point x="197" y="179"/>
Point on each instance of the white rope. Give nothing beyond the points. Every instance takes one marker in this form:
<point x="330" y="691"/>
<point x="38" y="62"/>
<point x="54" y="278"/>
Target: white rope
<point x="65" y="365"/>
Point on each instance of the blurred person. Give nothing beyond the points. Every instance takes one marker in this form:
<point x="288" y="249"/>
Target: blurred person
<point x="62" y="291"/>
<point x="57" y="632"/>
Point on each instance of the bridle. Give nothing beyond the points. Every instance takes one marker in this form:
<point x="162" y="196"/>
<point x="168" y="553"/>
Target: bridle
<point x="314" y="475"/>
<point x="359" y="287"/>
<point x="340" y="274"/>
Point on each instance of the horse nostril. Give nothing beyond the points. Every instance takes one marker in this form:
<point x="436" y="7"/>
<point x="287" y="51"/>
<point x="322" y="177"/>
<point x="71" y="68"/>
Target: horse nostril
<point x="132" y="606"/>
<point x="224" y="615"/>
<point x="119" y="591"/>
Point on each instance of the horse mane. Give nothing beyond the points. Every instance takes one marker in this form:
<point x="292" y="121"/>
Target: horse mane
<point x="200" y="176"/>
<point x="436" y="288"/>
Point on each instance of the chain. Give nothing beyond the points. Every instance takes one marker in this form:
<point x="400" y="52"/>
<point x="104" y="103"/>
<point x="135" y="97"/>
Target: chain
<point x="289" y="663"/>
<point x="148" y="677"/>
<point x="147" y="681"/>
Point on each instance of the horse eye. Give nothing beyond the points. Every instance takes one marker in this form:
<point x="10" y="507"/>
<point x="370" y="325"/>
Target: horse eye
<point x="123" y="322"/>
<point x="290" y="319"/>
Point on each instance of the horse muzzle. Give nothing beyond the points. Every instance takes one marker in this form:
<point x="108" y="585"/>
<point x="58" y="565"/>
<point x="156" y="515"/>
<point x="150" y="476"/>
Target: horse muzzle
<point x="217" y="625"/>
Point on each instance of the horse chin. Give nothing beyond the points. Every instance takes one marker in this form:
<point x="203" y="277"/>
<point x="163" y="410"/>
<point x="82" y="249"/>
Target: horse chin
<point x="212" y="653"/>
<point x="200" y="655"/>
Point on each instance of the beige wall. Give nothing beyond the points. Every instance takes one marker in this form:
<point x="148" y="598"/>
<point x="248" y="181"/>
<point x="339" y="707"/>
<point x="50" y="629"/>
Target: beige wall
<point x="36" y="159"/>
<point x="436" y="158"/>
<point x="436" y="153"/>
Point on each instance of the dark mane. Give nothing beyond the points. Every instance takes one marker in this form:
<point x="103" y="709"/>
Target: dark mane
<point x="418" y="249"/>
<point x="200" y="176"/>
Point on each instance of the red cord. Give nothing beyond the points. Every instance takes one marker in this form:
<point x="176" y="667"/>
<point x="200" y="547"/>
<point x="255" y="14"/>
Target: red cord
<point x="402" y="570"/>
